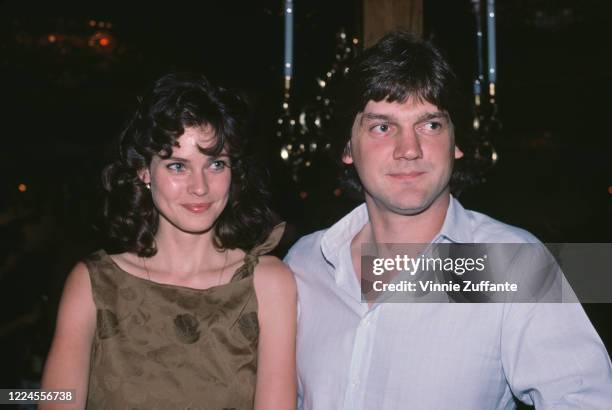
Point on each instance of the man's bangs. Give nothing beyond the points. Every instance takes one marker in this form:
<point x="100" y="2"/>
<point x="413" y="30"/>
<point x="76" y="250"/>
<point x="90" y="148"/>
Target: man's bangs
<point x="400" y="93"/>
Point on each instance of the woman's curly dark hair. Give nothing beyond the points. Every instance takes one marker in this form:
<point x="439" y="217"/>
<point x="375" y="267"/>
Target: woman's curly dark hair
<point x="173" y="103"/>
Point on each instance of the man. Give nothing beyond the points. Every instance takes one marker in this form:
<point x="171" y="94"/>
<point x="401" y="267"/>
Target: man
<point x="400" y="111"/>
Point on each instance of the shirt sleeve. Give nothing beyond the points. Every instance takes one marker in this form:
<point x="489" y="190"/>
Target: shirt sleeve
<point x="300" y="395"/>
<point x="553" y="358"/>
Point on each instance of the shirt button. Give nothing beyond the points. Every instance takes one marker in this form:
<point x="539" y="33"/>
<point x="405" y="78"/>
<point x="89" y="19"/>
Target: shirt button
<point x="355" y="383"/>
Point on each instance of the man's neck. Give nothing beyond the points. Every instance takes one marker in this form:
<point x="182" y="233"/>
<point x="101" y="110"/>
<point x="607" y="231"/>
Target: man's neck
<point x="389" y="227"/>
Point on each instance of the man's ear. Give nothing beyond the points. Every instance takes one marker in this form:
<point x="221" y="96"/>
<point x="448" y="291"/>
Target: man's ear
<point x="145" y="176"/>
<point x="347" y="154"/>
<point x="458" y="153"/>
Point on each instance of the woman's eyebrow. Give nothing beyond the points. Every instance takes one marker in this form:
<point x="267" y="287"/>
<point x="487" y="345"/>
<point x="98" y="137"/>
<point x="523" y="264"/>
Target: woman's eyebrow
<point x="177" y="159"/>
<point x="180" y="159"/>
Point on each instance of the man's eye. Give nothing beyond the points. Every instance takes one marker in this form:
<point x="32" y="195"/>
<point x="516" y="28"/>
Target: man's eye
<point x="432" y="126"/>
<point x="381" y="128"/>
<point x="176" y="167"/>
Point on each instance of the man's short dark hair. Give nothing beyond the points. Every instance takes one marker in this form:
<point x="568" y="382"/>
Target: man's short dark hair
<point x="398" y="66"/>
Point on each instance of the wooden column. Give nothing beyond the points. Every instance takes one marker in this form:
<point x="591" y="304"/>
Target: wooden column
<point x="382" y="16"/>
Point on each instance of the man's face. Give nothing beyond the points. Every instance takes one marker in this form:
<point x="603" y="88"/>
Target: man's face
<point x="403" y="154"/>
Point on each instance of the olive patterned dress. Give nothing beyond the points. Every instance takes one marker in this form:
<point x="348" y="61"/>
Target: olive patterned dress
<point x="160" y="346"/>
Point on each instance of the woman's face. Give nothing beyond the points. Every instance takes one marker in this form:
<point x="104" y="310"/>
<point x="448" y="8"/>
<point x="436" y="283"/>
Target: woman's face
<point x="190" y="189"/>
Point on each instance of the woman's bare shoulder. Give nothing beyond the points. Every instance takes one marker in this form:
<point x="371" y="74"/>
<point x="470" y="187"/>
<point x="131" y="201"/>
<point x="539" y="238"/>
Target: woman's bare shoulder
<point x="272" y="276"/>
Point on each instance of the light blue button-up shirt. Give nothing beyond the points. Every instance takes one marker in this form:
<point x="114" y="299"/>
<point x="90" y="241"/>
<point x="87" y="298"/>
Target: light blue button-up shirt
<point x="436" y="355"/>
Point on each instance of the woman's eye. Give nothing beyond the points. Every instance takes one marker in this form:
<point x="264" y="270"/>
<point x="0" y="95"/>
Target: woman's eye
<point x="176" y="167"/>
<point x="218" y="165"/>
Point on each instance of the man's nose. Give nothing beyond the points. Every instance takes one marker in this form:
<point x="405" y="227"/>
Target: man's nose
<point x="407" y="145"/>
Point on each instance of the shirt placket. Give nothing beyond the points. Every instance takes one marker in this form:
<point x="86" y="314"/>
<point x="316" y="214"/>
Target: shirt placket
<point x="361" y="358"/>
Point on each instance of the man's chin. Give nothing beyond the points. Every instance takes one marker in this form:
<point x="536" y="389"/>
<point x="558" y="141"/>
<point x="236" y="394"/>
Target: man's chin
<point x="406" y="203"/>
<point x="410" y="209"/>
<point x="416" y="202"/>
<point x="406" y="207"/>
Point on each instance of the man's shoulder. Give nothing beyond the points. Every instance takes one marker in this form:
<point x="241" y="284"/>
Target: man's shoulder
<point x="487" y="229"/>
<point x="306" y="247"/>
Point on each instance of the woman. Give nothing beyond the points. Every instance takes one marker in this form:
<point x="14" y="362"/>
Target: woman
<point x="190" y="314"/>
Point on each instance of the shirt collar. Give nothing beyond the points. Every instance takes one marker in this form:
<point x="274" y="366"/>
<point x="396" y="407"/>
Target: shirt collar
<point x="457" y="226"/>
<point x="342" y="233"/>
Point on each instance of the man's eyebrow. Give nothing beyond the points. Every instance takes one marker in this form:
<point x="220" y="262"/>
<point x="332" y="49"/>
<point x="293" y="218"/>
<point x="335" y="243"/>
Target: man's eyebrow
<point x="375" y="116"/>
<point x="384" y="117"/>
<point x="432" y="116"/>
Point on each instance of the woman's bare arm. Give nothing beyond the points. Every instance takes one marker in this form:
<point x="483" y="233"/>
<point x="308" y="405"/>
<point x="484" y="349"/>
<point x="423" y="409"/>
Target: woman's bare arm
<point x="277" y="298"/>
<point x="67" y="365"/>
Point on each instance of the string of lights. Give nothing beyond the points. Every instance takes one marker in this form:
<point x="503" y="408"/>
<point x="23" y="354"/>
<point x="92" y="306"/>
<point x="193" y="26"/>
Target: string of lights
<point x="486" y="124"/>
<point x="305" y="135"/>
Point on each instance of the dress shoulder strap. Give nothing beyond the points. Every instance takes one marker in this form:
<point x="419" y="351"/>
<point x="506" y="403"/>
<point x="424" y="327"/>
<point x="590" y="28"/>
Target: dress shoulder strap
<point x="251" y="259"/>
<point x="95" y="265"/>
<point x="103" y="276"/>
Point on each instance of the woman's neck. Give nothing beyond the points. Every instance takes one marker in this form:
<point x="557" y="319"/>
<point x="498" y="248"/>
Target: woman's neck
<point x="186" y="254"/>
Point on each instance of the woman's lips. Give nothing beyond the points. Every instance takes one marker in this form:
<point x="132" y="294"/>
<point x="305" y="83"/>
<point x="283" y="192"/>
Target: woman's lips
<point x="196" y="208"/>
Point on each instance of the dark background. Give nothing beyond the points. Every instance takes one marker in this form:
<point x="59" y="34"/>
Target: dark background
<point x="64" y="102"/>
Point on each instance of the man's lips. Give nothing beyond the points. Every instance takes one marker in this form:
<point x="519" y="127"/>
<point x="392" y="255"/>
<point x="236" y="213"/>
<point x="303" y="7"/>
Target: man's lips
<point x="196" y="208"/>
<point x="405" y="176"/>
